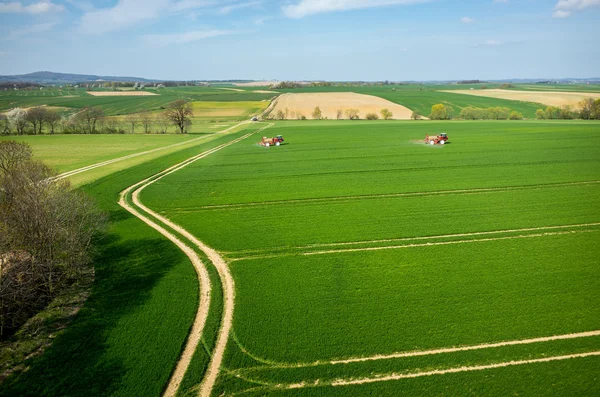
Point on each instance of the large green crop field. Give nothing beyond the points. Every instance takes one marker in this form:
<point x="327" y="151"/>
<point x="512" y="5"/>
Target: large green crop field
<point x="354" y="241"/>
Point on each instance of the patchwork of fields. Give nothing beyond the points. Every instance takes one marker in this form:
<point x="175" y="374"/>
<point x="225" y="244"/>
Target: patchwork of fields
<point x="367" y="263"/>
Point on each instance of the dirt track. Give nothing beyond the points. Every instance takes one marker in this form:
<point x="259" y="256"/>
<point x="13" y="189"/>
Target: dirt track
<point x="212" y="372"/>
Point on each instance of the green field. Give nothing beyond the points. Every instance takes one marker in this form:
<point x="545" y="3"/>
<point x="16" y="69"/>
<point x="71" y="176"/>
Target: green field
<point x="74" y="99"/>
<point x="354" y="240"/>
<point x="351" y="240"/>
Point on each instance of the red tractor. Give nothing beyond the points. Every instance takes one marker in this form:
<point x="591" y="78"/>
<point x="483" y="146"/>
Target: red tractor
<point x="436" y="140"/>
<point x="267" y="142"/>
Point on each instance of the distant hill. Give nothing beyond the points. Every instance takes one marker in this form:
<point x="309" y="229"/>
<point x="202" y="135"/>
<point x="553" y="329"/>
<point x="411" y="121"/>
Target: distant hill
<point x="67" y="78"/>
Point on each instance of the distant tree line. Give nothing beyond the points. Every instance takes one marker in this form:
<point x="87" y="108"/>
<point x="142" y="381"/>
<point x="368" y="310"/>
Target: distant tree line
<point x="317" y="114"/>
<point x="46" y="235"/>
<point x="589" y="110"/>
<point x="93" y="120"/>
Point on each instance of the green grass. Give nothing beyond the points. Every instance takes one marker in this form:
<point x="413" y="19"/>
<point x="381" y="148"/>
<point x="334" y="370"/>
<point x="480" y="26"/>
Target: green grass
<point x="128" y="337"/>
<point x="322" y="187"/>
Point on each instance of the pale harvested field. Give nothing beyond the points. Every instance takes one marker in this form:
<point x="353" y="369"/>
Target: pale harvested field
<point x="331" y="102"/>
<point x="121" y="93"/>
<point x="550" y="98"/>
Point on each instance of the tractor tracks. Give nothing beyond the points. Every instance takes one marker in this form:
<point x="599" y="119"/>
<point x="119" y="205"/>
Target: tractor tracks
<point x="152" y="219"/>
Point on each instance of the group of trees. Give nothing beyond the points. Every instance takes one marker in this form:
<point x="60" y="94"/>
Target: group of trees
<point x="495" y="113"/>
<point x="46" y="235"/>
<point x="590" y="110"/>
<point x="441" y="112"/>
<point x="341" y="114"/>
<point x="93" y="120"/>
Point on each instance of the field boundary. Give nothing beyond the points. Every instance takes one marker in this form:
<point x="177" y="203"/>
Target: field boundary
<point x="226" y="278"/>
<point x="133" y="155"/>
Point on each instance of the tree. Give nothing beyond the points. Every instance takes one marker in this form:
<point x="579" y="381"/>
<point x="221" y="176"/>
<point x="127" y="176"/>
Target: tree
<point x="371" y="116"/>
<point x="540" y="114"/>
<point x="36" y="116"/>
<point x="4" y="125"/>
<point x="415" y="115"/>
<point x="146" y="121"/>
<point x="88" y="119"/>
<point x="52" y="118"/>
<point x="565" y="113"/>
<point x="587" y="108"/>
<point x="16" y="118"/>
<point x="46" y="232"/>
<point x="280" y="115"/>
<point x="133" y="120"/>
<point x="449" y="112"/>
<point x="439" y="112"/>
<point x="552" y="112"/>
<point x="352" y="114"/>
<point x="386" y="114"/>
<point x="179" y="114"/>
<point x="317" y="114"/>
<point x="162" y="123"/>
<point x="468" y="113"/>
<point x="514" y="115"/>
<point x="339" y="114"/>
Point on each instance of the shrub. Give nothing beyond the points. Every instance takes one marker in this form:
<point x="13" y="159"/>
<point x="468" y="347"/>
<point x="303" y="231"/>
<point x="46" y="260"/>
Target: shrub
<point x="352" y="114"/>
<point x="372" y="116"/>
<point x="514" y="115"/>
<point x="540" y="114"/>
<point x="317" y="114"/>
<point x="386" y="114"/>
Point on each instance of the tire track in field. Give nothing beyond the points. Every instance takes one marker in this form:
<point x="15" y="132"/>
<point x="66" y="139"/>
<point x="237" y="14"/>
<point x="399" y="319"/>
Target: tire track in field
<point x="133" y="155"/>
<point x="266" y="387"/>
<point x="416" y="353"/>
<point x="428" y="244"/>
<point x="386" y="195"/>
<point x="220" y="264"/>
<point x="442" y="236"/>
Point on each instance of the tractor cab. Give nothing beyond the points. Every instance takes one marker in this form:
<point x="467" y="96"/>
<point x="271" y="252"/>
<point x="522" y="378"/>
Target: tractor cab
<point x="444" y="135"/>
<point x="280" y="138"/>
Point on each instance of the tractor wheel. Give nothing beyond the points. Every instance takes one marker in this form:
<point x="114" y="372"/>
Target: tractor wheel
<point x="278" y="143"/>
<point x="432" y="143"/>
<point x="442" y="142"/>
<point x="267" y="144"/>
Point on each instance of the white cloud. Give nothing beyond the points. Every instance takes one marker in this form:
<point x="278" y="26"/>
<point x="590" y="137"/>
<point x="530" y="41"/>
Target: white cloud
<point x="41" y="7"/>
<point x="311" y="7"/>
<point x="32" y="29"/>
<point x="162" y="40"/>
<point x="467" y="20"/>
<point x="127" y="13"/>
<point x="565" y="8"/>
<point x="233" y="7"/>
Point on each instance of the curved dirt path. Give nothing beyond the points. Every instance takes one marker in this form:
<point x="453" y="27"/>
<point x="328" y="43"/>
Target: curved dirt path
<point x="212" y="372"/>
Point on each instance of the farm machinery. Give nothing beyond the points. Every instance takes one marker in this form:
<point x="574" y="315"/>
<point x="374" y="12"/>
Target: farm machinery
<point x="267" y="142"/>
<point x="440" y="139"/>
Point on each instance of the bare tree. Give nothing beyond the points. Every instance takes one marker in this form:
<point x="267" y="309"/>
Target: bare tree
<point x="52" y="118"/>
<point x="89" y="119"/>
<point x="162" y="122"/>
<point x="352" y="114"/>
<point x="179" y="113"/>
<point x="415" y="115"/>
<point x="146" y="121"/>
<point x="37" y="116"/>
<point x="280" y="115"/>
<point x="132" y="119"/>
<point x="46" y="231"/>
<point x="339" y="114"/>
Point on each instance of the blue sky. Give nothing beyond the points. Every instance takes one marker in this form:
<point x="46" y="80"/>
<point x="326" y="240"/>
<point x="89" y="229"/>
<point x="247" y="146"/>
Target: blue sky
<point x="303" y="39"/>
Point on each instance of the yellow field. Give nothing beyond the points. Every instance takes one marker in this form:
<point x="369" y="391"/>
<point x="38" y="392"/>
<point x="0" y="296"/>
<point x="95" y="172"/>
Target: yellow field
<point x="555" y="98"/>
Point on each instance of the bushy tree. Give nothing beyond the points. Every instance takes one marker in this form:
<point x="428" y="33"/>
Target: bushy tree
<point x="514" y="115"/>
<point x="415" y="115"/>
<point x="441" y="112"/>
<point x="280" y="115"/>
<point x="540" y="114"/>
<point x="36" y="117"/>
<point x="17" y="119"/>
<point x="339" y="114"/>
<point x="386" y="114"/>
<point x="371" y="116"/>
<point x="317" y="114"/>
